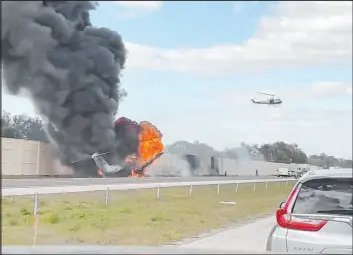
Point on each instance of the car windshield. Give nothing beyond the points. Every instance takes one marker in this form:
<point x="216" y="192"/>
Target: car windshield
<point x="328" y="196"/>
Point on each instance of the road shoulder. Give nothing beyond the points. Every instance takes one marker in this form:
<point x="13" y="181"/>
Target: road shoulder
<point x="249" y="235"/>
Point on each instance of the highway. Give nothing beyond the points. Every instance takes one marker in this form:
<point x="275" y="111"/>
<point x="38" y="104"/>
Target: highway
<point x="59" y="182"/>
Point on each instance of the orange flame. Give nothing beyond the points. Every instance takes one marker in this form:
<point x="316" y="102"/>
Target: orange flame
<point x="150" y="144"/>
<point x="150" y="141"/>
<point x="135" y="174"/>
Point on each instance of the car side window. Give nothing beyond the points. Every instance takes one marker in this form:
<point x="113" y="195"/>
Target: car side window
<point x="329" y="195"/>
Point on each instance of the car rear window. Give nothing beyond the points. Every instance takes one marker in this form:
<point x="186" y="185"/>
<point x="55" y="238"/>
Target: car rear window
<point x="328" y="196"/>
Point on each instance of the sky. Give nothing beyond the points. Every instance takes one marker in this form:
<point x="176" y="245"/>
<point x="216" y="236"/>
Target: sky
<point x="192" y="68"/>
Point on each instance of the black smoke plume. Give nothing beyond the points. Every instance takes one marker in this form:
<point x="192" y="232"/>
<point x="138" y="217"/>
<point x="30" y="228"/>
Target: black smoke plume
<point x="128" y="131"/>
<point x="193" y="161"/>
<point x="70" y="70"/>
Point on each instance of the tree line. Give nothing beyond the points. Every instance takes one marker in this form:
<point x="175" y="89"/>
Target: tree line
<point x="31" y="128"/>
<point x="21" y="126"/>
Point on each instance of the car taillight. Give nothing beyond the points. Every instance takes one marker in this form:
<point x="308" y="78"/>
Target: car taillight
<point x="285" y="220"/>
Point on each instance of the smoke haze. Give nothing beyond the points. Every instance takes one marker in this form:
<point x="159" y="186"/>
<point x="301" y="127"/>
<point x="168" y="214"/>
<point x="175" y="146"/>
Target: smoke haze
<point x="173" y="165"/>
<point x="70" y="70"/>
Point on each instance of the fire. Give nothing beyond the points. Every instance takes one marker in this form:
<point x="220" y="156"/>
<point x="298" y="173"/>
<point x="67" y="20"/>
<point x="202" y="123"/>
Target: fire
<point x="150" y="146"/>
<point x="136" y="174"/>
<point x="150" y="139"/>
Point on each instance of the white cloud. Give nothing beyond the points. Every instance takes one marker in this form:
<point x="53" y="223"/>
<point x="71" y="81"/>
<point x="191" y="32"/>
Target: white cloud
<point x="295" y="34"/>
<point x="331" y="89"/>
<point x="134" y="9"/>
<point x="318" y="91"/>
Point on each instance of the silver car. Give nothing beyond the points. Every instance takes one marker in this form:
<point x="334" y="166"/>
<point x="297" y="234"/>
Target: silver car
<point x="317" y="216"/>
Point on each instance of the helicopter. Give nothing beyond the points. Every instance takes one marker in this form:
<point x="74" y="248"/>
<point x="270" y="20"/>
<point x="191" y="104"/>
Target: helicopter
<point x="273" y="100"/>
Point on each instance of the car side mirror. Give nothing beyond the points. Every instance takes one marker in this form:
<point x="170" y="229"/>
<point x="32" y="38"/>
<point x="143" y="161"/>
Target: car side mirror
<point x="282" y="204"/>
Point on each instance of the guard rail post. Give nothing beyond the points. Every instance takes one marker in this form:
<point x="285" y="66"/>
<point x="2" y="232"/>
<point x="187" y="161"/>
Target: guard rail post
<point x="107" y="193"/>
<point x="158" y="192"/>
<point x="36" y="219"/>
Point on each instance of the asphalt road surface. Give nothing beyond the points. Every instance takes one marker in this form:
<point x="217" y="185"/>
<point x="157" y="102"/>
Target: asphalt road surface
<point x="26" y="183"/>
<point x="250" y="237"/>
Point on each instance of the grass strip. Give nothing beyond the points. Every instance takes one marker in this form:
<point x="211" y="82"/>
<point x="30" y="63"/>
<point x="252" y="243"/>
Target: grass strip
<point x="135" y="217"/>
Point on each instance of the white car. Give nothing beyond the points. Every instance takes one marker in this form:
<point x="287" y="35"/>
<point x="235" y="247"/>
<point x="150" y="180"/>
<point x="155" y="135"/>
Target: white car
<point x="317" y="216"/>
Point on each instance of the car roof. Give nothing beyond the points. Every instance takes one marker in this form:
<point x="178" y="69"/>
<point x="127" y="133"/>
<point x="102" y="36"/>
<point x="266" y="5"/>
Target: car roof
<point x="326" y="173"/>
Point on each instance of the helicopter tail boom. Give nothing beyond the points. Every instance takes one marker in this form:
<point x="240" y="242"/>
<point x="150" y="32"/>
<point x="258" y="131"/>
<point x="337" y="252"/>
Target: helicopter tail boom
<point x="259" y="102"/>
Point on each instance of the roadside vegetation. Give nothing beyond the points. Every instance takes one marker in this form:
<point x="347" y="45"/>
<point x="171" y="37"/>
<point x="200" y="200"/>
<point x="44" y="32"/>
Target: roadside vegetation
<point x="135" y="217"/>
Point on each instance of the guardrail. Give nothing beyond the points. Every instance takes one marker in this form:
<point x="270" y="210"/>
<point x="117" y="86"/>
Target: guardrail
<point x="131" y="186"/>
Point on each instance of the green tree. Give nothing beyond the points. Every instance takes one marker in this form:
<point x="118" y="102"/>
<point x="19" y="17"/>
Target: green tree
<point x="7" y="129"/>
<point x="22" y="127"/>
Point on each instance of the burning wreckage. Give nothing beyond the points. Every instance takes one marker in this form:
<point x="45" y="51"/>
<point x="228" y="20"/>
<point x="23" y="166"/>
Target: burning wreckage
<point x="149" y="148"/>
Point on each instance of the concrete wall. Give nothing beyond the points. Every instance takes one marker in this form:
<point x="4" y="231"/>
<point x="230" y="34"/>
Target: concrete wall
<point x="19" y="157"/>
<point x="25" y="157"/>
